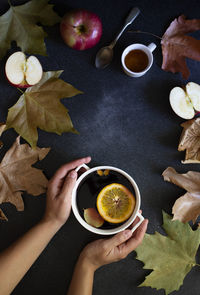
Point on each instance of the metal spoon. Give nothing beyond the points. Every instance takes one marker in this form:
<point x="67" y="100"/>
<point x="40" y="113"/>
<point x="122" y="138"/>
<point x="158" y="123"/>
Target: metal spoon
<point x="105" y="54"/>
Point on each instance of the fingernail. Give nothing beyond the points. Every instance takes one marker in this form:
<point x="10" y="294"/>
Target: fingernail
<point x="72" y="174"/>
<point x="128" y="233"/>
<point x="87" y="159"/>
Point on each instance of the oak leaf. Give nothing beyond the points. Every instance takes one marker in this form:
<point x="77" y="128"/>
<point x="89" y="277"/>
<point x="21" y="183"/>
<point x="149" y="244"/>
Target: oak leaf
<point x="19" y="24"/>
<point x="18" y="175"/>
<point x="170" y="257"/>
<point x="190" y="141"/>
<point x="40" y="106"/>
<point x="177" y="46"/>
<point x="187" y="207"/>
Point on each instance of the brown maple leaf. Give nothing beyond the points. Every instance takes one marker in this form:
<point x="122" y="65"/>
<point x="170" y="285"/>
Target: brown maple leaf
<point x="3" y="216"/>
<point x="2" y="128"/>
<point x="190" y="141"/>
<point x="18" y="175"/>
<point x="187" y="207"/>
<point x="176" y="45"/>
<point x="40" y="107"/>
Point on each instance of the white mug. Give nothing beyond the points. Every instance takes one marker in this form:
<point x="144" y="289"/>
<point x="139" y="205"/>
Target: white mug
<point x="115" y="230"/>
<point x="147" y="49"/>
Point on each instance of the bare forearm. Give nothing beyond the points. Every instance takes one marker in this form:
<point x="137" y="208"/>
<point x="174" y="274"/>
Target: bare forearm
<point x="18" y="258"/>
<point x="82" y="280"/>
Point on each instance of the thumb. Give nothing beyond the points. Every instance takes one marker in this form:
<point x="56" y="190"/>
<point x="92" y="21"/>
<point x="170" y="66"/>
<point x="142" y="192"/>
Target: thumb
<point x="119" y="238"/>
<point x="69" y="184"/>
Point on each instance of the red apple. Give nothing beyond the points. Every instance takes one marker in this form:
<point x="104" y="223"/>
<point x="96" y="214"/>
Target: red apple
<point x="22" y="72"/>
<point x="81" y="29"/>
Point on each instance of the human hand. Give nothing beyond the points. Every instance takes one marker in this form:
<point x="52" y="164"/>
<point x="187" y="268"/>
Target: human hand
<point x="106" y="251"/>
<point x="59" y="192"/>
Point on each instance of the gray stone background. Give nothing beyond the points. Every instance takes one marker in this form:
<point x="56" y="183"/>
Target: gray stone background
<point x="123" y="122"/>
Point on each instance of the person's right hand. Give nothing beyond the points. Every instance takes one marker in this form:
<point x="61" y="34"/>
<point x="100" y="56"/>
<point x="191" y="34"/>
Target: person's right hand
<point x="59" y="192"/>
<point x="105" y="251"/>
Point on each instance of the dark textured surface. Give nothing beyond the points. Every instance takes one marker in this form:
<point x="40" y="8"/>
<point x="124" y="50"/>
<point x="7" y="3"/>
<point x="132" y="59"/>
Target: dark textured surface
<point x="123" y="122"/>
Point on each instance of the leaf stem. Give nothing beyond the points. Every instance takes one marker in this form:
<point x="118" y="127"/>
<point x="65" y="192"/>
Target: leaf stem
<point x="9" y="3"/>
<point x="197" y="264"/>
<point x="20" y="90"/>
<point x="148" y="33"/>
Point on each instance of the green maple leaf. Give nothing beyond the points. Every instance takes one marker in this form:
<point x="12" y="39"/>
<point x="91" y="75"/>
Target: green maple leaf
<point x="19" y="24"/>
<point x="40" y="106"/>
<point x="170" y="257"/>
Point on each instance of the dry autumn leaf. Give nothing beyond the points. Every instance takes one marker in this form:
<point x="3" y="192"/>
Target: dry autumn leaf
<point x="2" y="128"/>
<point x="187" y="207"/>
<point x="20" y="23"/>
<point x="177" y="46"/>
<point x="18" y="175"/>
<point x="3" y="216"/>
<point x="169" y="257"/>
<point x="40" y="106"/>
<point x="190" y="142"/>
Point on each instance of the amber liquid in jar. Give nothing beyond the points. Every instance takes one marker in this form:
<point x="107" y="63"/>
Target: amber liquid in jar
<point x="136" y="60"/>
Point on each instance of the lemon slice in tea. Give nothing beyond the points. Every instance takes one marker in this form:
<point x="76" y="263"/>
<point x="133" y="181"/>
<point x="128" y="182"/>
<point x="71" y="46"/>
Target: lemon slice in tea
<point x="115" y="203"/>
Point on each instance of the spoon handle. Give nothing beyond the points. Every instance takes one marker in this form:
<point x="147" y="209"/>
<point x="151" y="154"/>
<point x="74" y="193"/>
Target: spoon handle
<point x="130" y="18"/>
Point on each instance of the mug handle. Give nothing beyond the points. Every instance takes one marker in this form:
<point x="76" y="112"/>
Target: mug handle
<point x="140" y="221"/>
<point x="152" y="47"/>
<point x="84" y="166"/>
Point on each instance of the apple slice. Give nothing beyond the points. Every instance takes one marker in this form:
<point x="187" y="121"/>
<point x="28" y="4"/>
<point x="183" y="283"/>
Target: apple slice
<point x="93" y="218"/>
<point x="193" y="91"/>
<point x="181" y="103"/>
<point x="22" y="72"/>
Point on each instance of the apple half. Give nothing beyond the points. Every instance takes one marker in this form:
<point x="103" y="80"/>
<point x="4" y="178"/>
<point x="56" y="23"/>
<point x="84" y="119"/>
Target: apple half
<point x="185" y="102"/>
<point x="23" y="72"/>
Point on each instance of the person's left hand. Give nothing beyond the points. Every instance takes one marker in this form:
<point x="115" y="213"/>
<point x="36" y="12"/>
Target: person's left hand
<point x="105" y="251"/>
<point x="59" y="192"/>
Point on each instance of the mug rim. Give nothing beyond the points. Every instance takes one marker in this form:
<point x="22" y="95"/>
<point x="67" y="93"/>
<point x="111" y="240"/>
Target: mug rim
<point x="128" y="49"/>
<point x="118" y="228"/>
